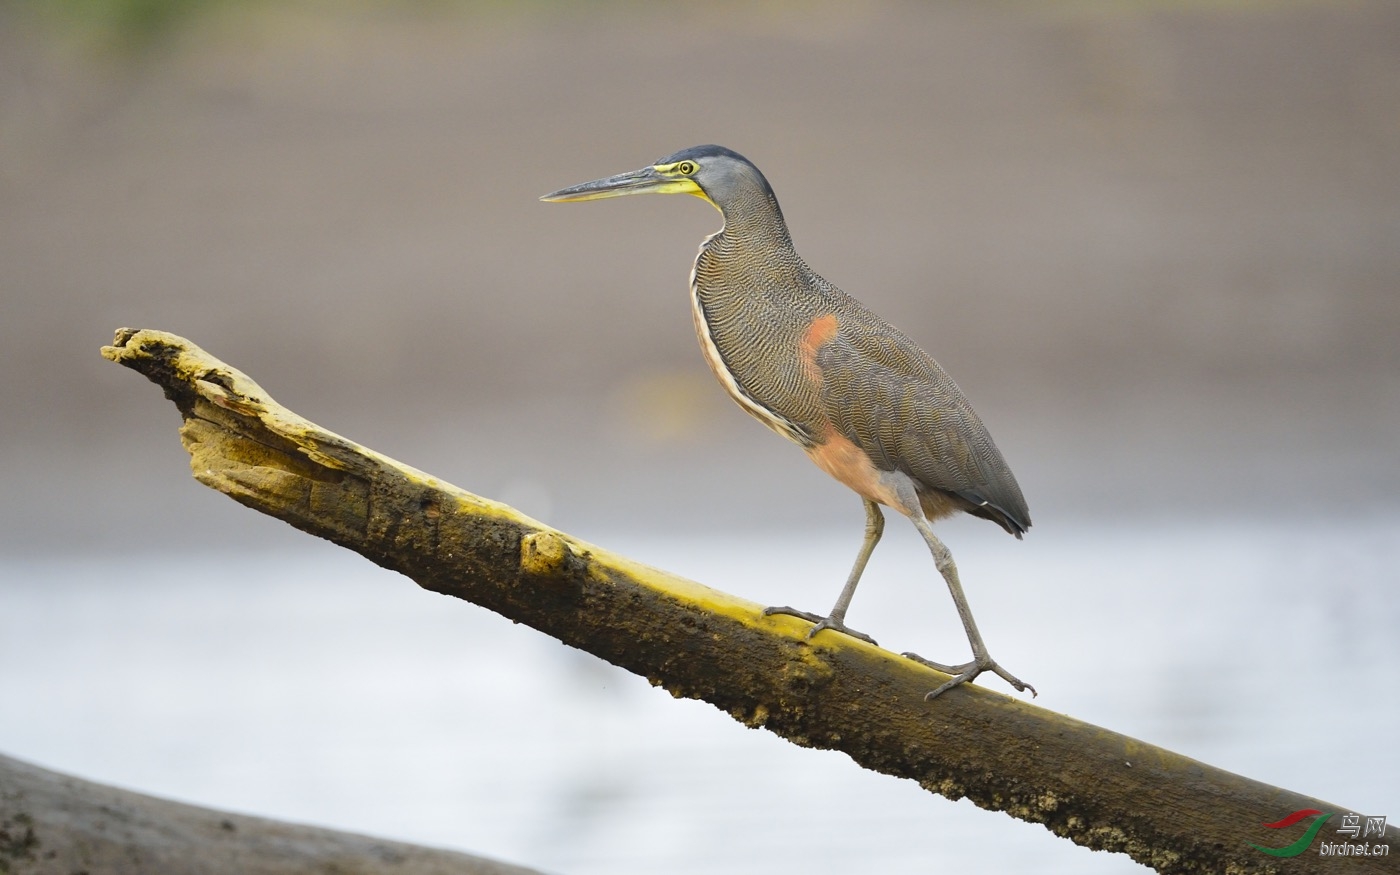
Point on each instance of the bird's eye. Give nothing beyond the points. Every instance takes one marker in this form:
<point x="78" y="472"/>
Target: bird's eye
<point x="685" y="168"/>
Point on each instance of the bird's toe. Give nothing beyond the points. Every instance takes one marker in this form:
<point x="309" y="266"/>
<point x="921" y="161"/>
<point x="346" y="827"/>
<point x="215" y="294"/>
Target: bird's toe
<point x="819" y="623"/>
<point x="794" y="612"/>
<point x="967" y="672"/>
<point x="838" y="626"/>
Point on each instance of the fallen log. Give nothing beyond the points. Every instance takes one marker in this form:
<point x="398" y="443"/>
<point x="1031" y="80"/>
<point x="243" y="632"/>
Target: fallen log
<point x="1098" y="788"/>
<point x="55" y="824"/>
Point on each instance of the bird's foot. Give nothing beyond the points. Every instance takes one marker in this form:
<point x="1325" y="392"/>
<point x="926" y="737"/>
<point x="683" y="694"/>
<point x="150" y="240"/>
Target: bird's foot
<point x="966" y="672"/>
<point x="819" y="623"/>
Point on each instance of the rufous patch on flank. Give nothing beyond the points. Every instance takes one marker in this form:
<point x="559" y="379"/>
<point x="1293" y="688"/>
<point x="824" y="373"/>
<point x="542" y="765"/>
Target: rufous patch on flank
<point x="819" y="333"/>
<point x="849" y="464"/>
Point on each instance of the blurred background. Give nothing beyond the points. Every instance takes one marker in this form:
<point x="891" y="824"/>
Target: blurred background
<point x="1157" y="244"/>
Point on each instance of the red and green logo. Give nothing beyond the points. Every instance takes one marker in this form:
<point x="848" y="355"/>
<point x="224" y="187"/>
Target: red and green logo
<point x="1304" y="841"/>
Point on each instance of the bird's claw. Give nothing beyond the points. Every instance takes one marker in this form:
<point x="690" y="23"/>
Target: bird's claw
<point x="819" y="623"/>
<point x="838" y="626"/>
<point x="966" y="672"/>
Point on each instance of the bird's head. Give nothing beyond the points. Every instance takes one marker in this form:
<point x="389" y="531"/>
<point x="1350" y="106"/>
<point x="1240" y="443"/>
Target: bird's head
<point x="718" y="175"/>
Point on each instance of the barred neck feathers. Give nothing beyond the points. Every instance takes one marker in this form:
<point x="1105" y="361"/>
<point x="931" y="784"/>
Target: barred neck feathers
<point x="753" y="253"/>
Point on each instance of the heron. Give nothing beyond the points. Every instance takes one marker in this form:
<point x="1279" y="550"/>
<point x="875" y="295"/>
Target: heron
<point x="810" y="362"/>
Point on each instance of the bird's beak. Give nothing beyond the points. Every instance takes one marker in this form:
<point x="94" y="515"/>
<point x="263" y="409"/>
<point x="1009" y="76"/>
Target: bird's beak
<point x="644" y="181"/>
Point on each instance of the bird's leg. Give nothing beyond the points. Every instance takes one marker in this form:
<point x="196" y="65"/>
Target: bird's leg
<point x="836" y="620"/>
<point x="981" y="659"/>
<point x="874" y="529"/>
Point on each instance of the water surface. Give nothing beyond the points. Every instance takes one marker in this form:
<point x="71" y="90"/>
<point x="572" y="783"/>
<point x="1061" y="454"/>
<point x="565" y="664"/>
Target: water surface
<point x="315" y="687"/>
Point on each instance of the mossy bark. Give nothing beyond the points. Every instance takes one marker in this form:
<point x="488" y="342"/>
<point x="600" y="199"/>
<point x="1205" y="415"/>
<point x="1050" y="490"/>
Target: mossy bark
<point x="1090" y="785"/>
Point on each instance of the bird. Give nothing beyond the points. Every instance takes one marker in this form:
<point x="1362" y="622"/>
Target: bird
<point x="816" y="366"/>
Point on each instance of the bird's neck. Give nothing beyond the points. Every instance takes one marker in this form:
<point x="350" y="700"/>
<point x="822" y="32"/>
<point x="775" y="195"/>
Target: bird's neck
<point x="752" y="260"/>
<point x="754" y="221"/>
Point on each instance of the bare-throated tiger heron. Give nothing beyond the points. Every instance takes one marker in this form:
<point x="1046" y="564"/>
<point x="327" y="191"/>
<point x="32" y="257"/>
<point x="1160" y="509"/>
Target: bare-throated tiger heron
<point x="807" y="360"/>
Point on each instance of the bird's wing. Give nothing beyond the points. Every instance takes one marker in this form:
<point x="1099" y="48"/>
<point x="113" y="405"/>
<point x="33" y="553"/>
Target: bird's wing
<point x="892" y="400"/>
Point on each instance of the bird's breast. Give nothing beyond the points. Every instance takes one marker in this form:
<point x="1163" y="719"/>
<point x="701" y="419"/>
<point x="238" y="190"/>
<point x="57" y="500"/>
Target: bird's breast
<point x="752" y="324"/>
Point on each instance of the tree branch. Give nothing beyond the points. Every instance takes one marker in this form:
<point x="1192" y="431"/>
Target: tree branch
<point x="1093" y="786"/>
